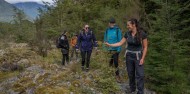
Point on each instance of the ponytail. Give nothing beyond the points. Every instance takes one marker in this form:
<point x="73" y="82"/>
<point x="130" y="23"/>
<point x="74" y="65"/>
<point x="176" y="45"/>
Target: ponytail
<point x="139" y="29"/>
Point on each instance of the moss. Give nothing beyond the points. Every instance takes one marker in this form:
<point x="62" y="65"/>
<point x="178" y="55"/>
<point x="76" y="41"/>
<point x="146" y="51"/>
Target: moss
<point x="30" y="84"/>
<point x="51" y="90"/>
<point x="54" y="56"/>
<point x="60" y="76"/>
<point x="23" y="84"/>
<point x="25" y="80"/>
<point x="76" y="67"/>
<point x="100" y="77"/>
<point x="18" y="87"/>
<point x="86" y="91"/>
<point x="5" y="75"/>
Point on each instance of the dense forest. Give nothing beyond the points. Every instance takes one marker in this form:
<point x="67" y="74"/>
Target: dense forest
<point x="165" y="21"/>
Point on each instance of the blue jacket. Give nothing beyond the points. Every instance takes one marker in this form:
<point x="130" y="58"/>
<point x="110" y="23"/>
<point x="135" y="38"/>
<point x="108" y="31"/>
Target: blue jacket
<point x="86" y="41"/>
<point x="113" y="35"/>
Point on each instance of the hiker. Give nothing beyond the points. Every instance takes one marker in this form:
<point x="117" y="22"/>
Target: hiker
<point x="64" y="45"/>
<point x="86" y="41"/>
<point x="73" y="44"/>
<point x="113" y="35"/>
<point x="137" y="45"/>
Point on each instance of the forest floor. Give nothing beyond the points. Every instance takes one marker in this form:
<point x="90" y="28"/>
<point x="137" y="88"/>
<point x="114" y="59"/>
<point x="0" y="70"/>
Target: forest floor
<point x="23" y="71"/>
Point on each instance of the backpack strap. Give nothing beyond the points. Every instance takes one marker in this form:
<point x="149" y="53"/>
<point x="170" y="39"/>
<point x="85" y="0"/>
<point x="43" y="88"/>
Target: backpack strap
<point x="81" y="32"/>
<point x="91" y="32"/>
<point x="106" y="34"/>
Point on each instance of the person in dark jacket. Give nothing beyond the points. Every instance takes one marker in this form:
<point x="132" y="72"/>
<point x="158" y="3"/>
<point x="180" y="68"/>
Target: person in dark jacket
<point x="64" y="43"/>
<point x="137" y="45"/>
<point x="86" y="41"/>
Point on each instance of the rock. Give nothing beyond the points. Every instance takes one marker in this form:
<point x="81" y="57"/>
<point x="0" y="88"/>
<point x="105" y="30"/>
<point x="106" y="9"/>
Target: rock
<point x="2" y="52"/>
<point x="5" y="85"/>
<point x="12" y="92"/>
<point x="5" y="67"/>
<point x="90" y="76"/>
<point x="77" y="76"/>
<point x="126" y="88"/>
<point x="35" y="68"/>
<point x="62" y="84"/>
<point x="91" y="89"/>
<point x="34" y="73"/>
<point x="54" y="66"/>
<point x="146" y="91"/>
<point x="12" y="80"/>
<point x="18" y="45"/>
<point x="76" y="85"/>
<point x="36" y="77"/>
<point x="68" y="84"/>
<point x="41" y="76"/>
<point x="30" y="91"/>
<point x="41" y="85"/>
<point x="24" y="62"/>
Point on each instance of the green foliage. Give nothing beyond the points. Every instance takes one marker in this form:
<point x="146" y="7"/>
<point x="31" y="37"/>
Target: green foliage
<point x="72" y="15"/>
<point x="166" y="67"/>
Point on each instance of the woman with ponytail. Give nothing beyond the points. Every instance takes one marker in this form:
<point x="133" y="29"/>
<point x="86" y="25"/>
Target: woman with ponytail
<point x="136" y="51"/>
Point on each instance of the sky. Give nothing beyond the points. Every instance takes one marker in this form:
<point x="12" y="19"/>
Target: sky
<point x="38" y="1"/>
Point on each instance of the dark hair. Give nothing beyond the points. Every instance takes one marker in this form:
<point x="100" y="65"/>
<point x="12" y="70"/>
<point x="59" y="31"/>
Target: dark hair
<point x="112" y="20"/>
<point x="139" y="29"/>
<point x="65" y="37"/>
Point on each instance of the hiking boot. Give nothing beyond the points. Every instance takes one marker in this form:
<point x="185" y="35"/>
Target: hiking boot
<point x="68" y="62"/>
<point x="78" y="60"/>
<point x="118" y="78"/>
<point x="87" y="69"/>
<point x="134" y="92"/>
<point x="82" y="68"/>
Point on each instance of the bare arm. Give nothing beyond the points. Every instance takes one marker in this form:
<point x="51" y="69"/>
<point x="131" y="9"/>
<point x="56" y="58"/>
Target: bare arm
<point x="117" y="44"/>
<point x="145" y="46"/>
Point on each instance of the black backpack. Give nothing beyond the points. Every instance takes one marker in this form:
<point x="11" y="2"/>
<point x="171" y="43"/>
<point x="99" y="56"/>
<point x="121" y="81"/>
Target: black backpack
<point x="60" y="43"/>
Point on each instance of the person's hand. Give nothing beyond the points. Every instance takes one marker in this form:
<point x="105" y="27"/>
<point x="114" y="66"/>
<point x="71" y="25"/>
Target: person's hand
<point x="96" y="48"/>
<point x="77" y="50"/>
<point x="141" y="62"/>
<point x="107" y="44"/>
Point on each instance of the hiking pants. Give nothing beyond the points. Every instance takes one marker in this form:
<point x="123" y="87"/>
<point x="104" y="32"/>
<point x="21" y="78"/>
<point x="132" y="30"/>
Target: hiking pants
<point x="65" y="58"/>
<point x="86" y="58"/>
<point x="133" y="68"/>
<point x="114" y="60"/>
<point x="73" y="51"/>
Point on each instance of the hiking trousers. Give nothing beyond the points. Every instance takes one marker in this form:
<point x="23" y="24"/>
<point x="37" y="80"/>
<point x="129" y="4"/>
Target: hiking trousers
<point x="73" y="51"/>
<point x="86" y="58"/>
<point x="135" y="72"/>
<point x="114" y="60"/>
<point x="65" y="57"/>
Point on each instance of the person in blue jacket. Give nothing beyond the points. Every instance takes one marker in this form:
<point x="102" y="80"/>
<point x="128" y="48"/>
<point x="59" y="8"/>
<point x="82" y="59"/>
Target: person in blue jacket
<point x="113" y="35"/>
<point x="86" y="41"/>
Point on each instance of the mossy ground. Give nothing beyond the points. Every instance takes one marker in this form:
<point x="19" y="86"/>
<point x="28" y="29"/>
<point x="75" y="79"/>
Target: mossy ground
<point x="58" y="79"/>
